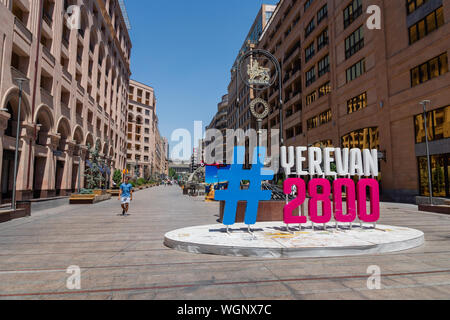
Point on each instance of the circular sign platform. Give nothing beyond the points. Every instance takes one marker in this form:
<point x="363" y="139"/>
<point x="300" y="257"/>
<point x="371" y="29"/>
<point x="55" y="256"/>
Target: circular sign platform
<point x="271" y="240"/>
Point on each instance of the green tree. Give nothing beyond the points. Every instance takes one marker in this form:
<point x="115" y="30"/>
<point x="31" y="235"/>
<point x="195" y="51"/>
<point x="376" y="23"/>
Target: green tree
<point x="117" y="177"/>
<point x="94" y="176"/>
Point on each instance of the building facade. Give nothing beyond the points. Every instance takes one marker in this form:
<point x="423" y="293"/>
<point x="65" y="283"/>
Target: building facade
<point x="147" y="150"/>
<point x="75" y="94"/>
<point x="141" y="133"/>
<point x="345" y="85"/>
<point x="220" y="122"/>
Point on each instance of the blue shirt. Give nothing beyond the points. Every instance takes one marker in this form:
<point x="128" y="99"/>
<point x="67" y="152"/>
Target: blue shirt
<point x="126" y="190"/>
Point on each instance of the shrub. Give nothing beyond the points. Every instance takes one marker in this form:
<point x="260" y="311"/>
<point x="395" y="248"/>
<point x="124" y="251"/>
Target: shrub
<point x="86" y="191"/>
<point x="141" y="181"/>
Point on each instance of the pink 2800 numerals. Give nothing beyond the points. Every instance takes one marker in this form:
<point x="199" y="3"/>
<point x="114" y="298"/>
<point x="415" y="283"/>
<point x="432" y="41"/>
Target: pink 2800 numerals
<point x="356" y="202"/>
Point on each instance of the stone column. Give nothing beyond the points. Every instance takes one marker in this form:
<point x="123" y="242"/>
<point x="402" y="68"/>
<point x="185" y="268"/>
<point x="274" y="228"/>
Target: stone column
<point x="84" y="154"/>
<point x="4" y="117"/>
<point x="26" y="161"/>
<point x="48" y="185"/>
<point x="68" y="165"/>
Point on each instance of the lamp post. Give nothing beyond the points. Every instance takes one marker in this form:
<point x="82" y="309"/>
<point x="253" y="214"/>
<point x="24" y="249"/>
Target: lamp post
<point x="430" y="183"/>
<point x="16" y="155"/>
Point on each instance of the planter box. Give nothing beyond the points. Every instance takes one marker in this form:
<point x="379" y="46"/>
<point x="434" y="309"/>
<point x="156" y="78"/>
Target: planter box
<point x="268" y="211"/>
<point x="113" y="192"/>
<point x="99" y="192"/>
<point x="9" y="215"/>
<point x="443" y="209"/>
<point x="88" y="198"/>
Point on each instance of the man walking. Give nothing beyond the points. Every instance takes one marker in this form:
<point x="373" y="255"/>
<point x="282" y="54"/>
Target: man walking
<point x="126" y="195"/>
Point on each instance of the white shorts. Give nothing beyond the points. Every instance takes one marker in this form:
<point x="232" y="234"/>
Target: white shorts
<point x="126" y="200"/>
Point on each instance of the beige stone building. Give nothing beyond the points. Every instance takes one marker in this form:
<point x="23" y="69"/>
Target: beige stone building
<point x="146" y="149"/>
<point x="345" y="85"/>
<point x="74" y="96"/>
<point x="141" y="134"/>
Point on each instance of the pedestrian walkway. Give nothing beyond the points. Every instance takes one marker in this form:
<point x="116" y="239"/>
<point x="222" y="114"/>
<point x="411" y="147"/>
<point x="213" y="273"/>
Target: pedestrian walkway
<point x="124" y="257"/>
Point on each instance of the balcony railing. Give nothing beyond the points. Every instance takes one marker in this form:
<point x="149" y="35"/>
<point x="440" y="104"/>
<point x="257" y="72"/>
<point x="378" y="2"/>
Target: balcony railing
<point x="46" y="97"/>
<point x="48" y="55"/>
<point x="67" y="74"/>
<point x="80" y="88"/>
<point x="65" y="40"/>
<point x="46" y="16"/>
<point x="23" y="29"/>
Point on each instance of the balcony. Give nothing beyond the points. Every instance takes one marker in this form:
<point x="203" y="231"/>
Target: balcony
<point x="80" y="88"/>
<point x="65" y="110"/>
<point x="65" y="40"/>
<point x="15" y="73"/>
<point x="48" y="56"/>
<point x="22" y="31"/>
<point x="47" y="17"/>
<point x="46" y="98"/>
<point x="79" y="120"/>
<point x="67" y="75"/>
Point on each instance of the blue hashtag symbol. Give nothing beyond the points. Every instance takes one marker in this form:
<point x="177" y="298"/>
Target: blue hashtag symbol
<point x="253" y="195"/>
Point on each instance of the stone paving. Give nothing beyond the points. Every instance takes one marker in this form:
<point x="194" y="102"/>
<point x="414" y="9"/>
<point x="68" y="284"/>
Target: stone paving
<point x="124" y="257"/>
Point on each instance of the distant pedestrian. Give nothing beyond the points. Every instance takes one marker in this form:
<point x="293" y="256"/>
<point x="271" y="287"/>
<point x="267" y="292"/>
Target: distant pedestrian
<point x="126" y="195"/>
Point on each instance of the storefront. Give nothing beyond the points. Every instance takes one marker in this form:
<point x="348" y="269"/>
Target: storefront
<point x="438" y="127"/>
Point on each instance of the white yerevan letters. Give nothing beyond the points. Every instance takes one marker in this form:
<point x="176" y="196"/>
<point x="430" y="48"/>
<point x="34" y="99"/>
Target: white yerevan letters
<point x="363" y="163"/>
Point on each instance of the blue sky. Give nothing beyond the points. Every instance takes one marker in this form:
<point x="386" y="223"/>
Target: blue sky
<point x="185" y="50"/>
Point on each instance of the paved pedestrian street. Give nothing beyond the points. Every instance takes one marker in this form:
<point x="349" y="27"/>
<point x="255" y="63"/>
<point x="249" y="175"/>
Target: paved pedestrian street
<point x="125" y="258"/>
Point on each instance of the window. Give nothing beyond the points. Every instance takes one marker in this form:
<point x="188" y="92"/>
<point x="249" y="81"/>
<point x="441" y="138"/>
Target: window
<point x="324" y="65"/>
<point x="412" y="5"/>
<point x="322" y="13"/>
<point x="351" y="12"/>
<point x="310" y="28"/>
<point x="440" y="172"/>
<point x="311" y="98"/>
<point x="298" y="129"/>
<point x="319" y="120"/>
<point x="290" y="133"/>
<point x="324" y="89"/>
<point x="308" y="4"/>
<point x="429" y="70"/>
<point x="310" y="76"/>
<point x="438" y="125"/>
<point x="368" y="138"/>
<point x="357" y="103"/>
<point x="322" y="39"/>
<point x="354" y="42"/>
<point x="427" y="25"/>
<point x="309" y="52"/>
<point x="356" y="70"/>
<point x="323" y="144"/>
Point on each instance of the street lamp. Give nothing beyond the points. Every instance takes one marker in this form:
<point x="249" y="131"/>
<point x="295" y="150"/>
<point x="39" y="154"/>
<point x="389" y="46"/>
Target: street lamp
<point x="430" y="183"/>
<point x="16" y="155"/>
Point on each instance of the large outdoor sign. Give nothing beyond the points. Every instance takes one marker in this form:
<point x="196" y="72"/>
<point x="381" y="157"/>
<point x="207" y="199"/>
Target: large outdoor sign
<point x="322" y="192"/>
